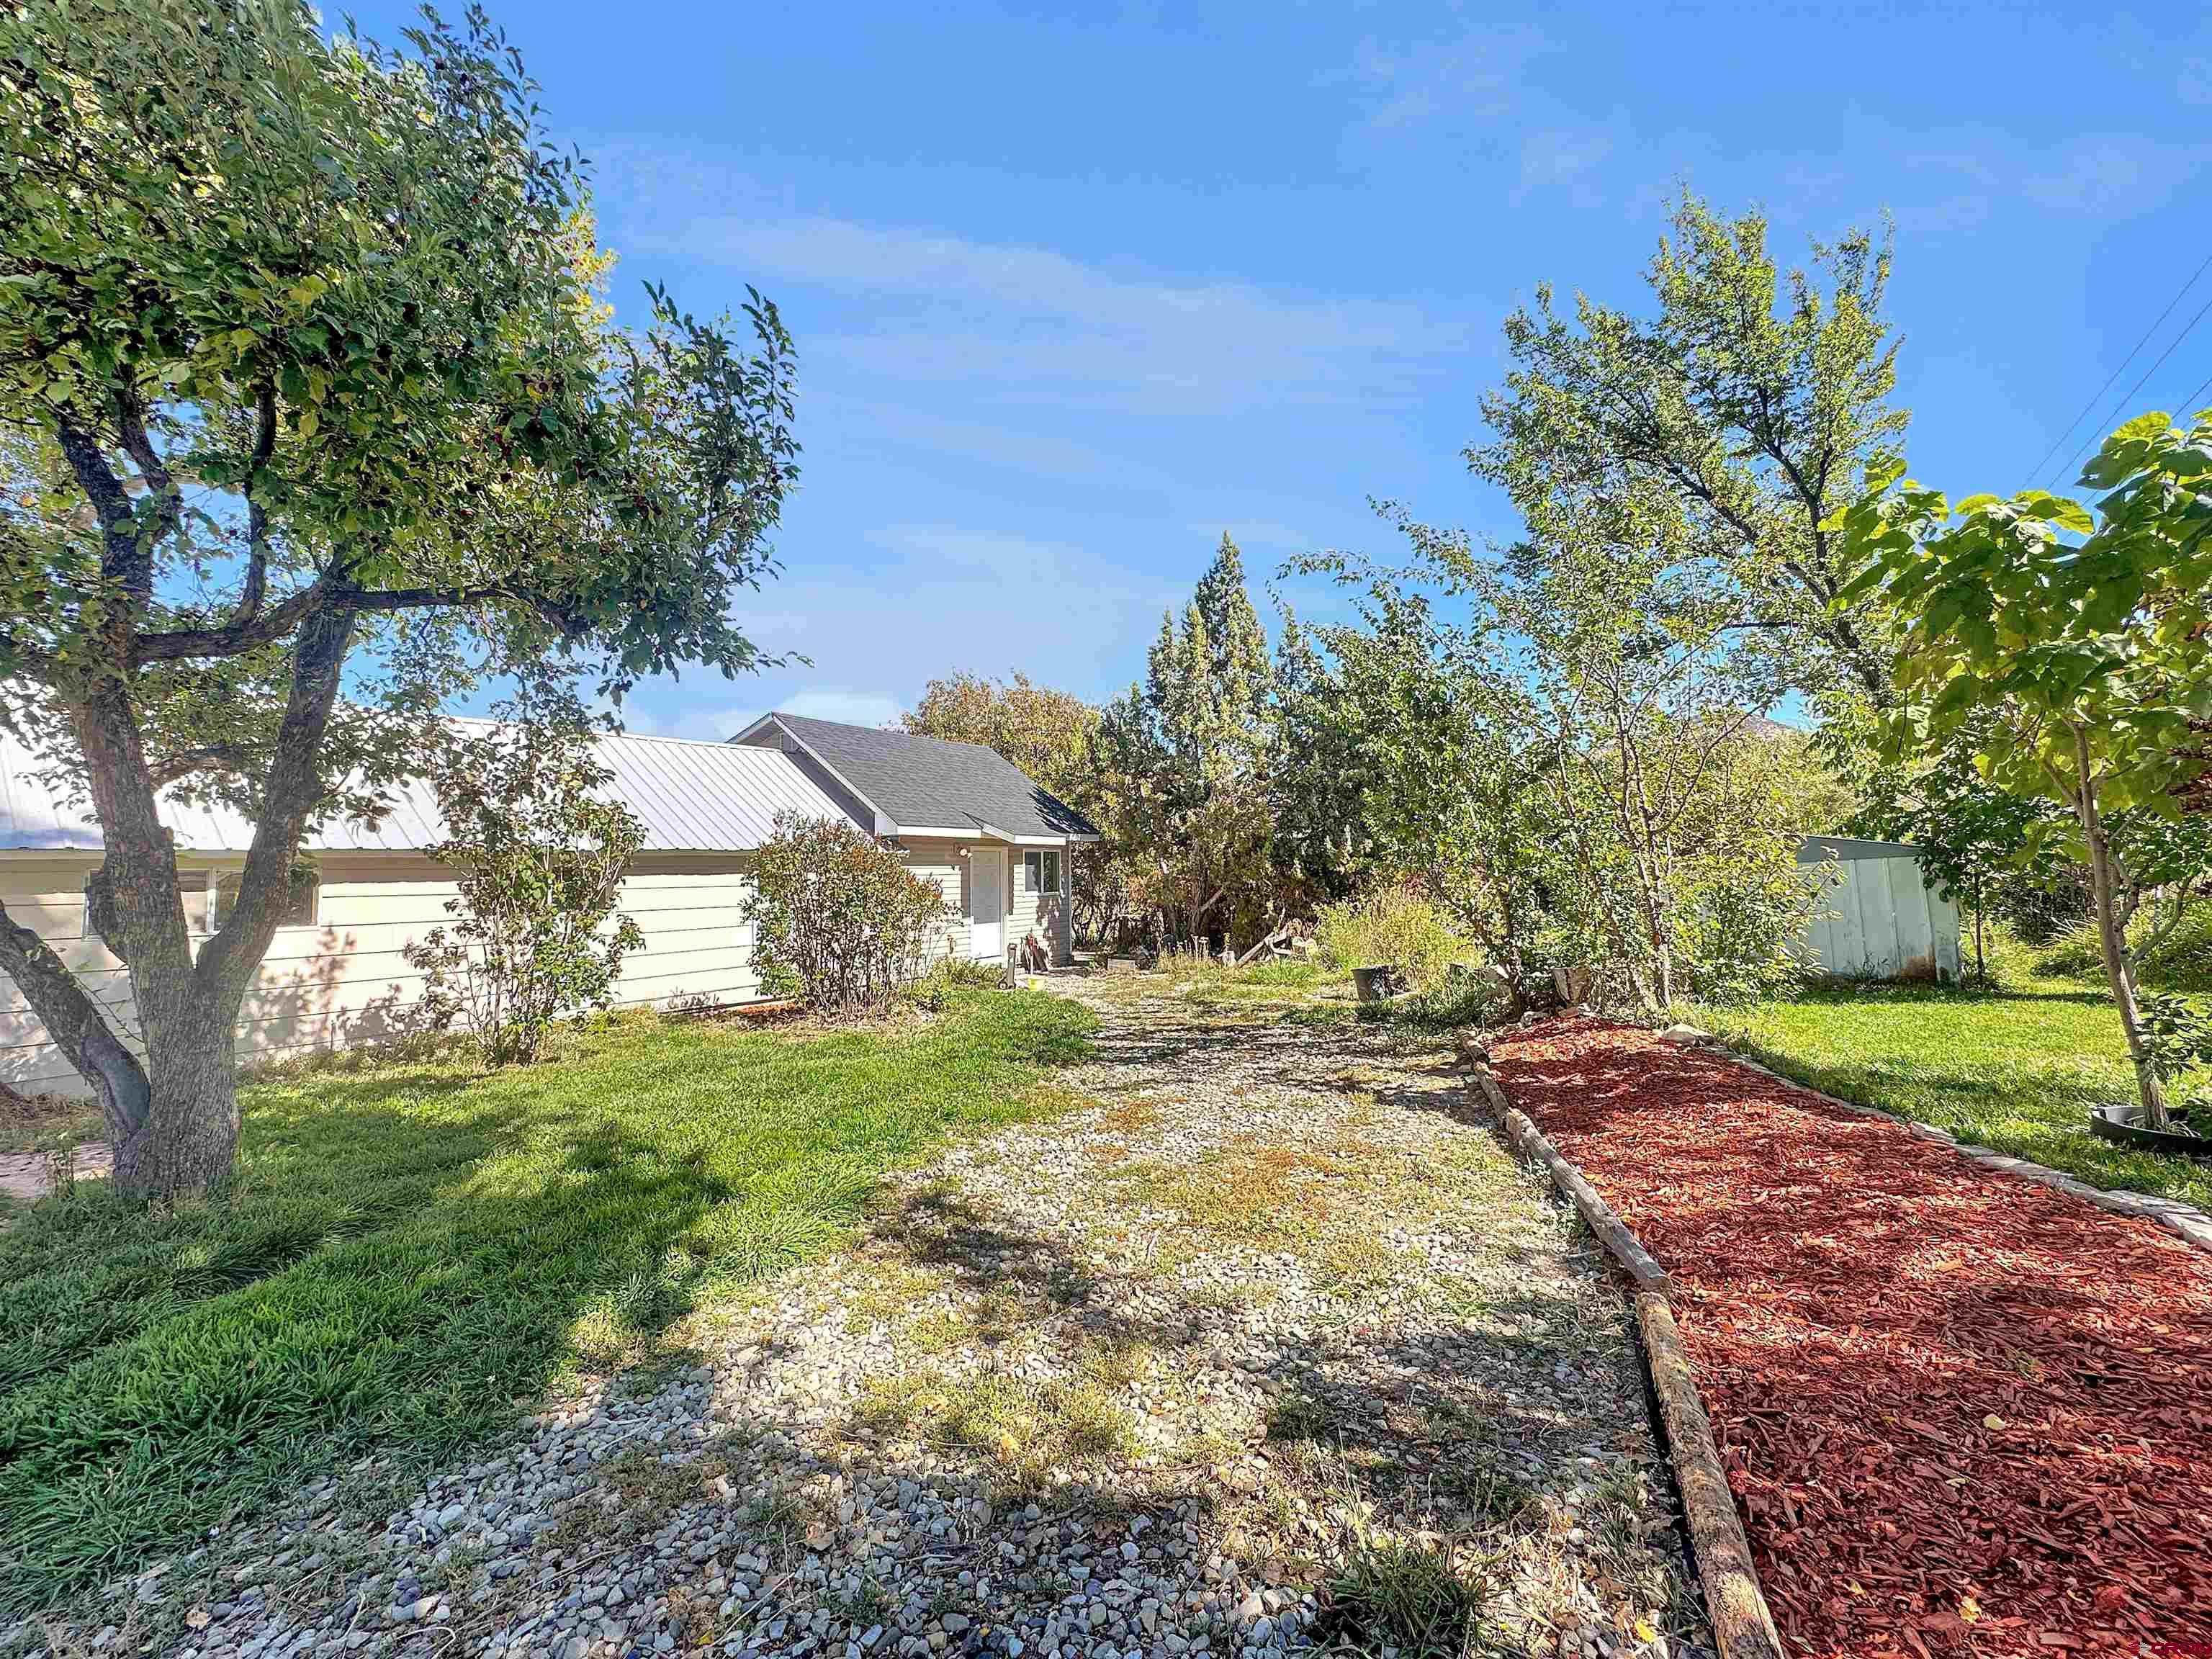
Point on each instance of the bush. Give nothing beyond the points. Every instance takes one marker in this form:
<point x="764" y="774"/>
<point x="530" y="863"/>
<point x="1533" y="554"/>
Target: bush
<point x="838" y="921"/>
<point x="540" y="857"/>
<point x="1742" y="921"/>
<point x="2074" y="953"/>
<point x="1393" y="925"/>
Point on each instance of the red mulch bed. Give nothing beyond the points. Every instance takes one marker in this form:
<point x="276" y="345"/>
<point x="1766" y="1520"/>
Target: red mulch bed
<point x="1962" y="1413"/>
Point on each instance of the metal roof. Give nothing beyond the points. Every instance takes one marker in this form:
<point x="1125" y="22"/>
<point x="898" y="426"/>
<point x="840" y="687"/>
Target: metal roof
<point x="930" y="783"/>
<point x="690" y="798"/>
<point x="1847" y="849"/>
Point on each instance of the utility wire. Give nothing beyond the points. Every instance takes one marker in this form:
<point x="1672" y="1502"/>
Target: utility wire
<point x="2119" y="369"/>
<point x="2189" y="404"/>
<point x="2129" y="393"/>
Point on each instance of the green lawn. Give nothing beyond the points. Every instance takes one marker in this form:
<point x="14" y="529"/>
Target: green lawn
<point x="412" y="1249"/>
<point x="2014" y="1066"/>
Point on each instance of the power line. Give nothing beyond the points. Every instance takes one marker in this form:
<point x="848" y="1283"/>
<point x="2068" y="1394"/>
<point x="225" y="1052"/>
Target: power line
<point x="2189" y="404"/>
<point x="2119" y="369"/>
<point x="2128" y="395"/>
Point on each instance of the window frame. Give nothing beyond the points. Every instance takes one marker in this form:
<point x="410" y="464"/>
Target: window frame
<point x="307" y="884"/>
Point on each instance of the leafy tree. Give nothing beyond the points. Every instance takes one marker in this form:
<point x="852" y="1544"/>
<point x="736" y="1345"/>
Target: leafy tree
<point x="1675" y="852"/>
<point x="1187" y="757"/>
<point x="540" y="853"/>
<point x="1317" y="783"/>
<point x="2077" y="672"/>
<point x="1723" y="430"/>
<point x="1430" y="727"/>
<point x="307" y="384"/>
<point x="838" y="918"/>
<point x="1046" y="733"/>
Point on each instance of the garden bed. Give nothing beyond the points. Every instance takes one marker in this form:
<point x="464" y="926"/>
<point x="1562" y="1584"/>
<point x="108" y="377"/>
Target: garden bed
<point x="1962" y="1413"/>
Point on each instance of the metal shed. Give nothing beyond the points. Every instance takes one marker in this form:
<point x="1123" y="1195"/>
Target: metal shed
<point x="1883" y="918"/>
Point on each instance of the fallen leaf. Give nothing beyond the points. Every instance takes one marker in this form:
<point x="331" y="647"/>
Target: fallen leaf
<point x="1969" y="1609"/>
<point x="197" y="1618"/>
<point x="1993" y="1421"/>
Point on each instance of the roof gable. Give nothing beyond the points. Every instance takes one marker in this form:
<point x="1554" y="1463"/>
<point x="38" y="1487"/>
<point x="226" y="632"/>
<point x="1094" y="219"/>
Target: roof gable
<point x="921" y="783"/>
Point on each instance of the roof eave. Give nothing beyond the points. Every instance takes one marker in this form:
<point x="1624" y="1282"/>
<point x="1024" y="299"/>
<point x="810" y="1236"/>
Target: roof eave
<point x="983" y="830"/>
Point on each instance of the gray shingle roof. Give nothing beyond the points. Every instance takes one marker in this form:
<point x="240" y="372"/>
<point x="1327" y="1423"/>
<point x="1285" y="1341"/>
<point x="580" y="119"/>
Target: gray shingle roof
<point x="932" y="783"/>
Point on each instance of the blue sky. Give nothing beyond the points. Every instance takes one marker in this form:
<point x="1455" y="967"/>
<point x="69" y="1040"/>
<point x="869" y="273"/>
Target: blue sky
<point x="1077" y="289"/>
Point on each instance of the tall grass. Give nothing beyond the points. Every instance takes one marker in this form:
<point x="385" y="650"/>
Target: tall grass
<point x="1394" y="926"/>
<point x="2181" y="961"/>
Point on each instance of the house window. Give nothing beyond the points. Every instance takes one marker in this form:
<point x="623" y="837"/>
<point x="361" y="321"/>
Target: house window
<point x="305" y="902"/>
<point x="1041" y="870"/>
<point x="301" y="905"/>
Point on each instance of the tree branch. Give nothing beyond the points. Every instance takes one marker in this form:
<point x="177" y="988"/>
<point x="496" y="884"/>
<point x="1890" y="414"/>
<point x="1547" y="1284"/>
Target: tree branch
<point x="256" y="514"/>
<point x="239" y="635"/>
<point x="224" y="756"/>
<point x="227" y="961"/>
<point x="76" y="1027"/>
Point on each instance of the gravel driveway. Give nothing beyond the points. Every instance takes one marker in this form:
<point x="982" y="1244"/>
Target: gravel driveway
<point x="1267" y="1345"/>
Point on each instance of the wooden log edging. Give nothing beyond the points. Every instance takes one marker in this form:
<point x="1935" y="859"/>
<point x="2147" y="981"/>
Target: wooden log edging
<point x="1743" y="1628"/>
<point x="1526" y="1138"/>
<point x="2184" y="1220"/>
<point x="1735" y="1605"/>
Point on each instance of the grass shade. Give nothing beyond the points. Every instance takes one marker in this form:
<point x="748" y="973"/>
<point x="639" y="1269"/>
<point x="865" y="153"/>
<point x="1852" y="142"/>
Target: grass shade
<point x="410" y="1250"/>
<point x="2015" y="1065"/>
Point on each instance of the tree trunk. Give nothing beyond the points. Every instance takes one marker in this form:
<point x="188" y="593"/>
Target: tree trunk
<point x="191" y="1142"/>
<point x="2117" y="970"/>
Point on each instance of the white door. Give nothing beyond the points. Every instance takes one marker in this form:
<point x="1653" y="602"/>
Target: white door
<point x="987" y="904"/>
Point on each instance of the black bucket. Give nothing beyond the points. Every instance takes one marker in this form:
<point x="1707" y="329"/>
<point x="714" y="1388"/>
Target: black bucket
<point x="1373" y="984"/>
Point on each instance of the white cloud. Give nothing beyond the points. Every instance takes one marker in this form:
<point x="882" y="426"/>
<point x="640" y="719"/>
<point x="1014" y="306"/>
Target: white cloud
<point x="1470" y="78"/>
<point x="722" y="722"/>
<point x="2194" y="84"/>
<point x="2123" y="174"/>
<point x="1029" y="325"/>
<point x="1562" y="157"/>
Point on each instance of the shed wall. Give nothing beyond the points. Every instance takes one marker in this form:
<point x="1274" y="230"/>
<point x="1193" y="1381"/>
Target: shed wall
<point x="1885" y="920"/>
<point x="340" y="980"/>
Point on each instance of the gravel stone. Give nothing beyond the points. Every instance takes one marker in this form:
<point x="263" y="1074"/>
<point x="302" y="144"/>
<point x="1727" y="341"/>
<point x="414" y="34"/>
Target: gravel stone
<point x="1139" y="1379"/>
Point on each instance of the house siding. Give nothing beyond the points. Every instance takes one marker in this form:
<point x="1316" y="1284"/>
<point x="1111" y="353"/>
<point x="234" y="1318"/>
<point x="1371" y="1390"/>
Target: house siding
<point x="342" y="980"/>
<point x="942" y="864"/>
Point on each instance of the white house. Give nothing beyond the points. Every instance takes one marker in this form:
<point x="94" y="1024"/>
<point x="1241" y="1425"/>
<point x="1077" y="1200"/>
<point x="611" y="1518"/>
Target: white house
<point x="962" y="817"/>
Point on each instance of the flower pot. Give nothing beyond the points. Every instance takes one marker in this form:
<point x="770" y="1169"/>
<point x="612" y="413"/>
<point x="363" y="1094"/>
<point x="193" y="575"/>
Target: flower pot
<point x="1373" y="984"/>
<point x="2123" y="1127"/>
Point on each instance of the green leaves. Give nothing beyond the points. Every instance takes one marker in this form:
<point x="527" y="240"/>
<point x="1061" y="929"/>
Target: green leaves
<point x="2010" y="631"/>
<point x="1705" y="444"/>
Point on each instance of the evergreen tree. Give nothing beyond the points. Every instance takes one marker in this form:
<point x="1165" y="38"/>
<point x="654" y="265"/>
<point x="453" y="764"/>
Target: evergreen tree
<point x="1189" y="755"/>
